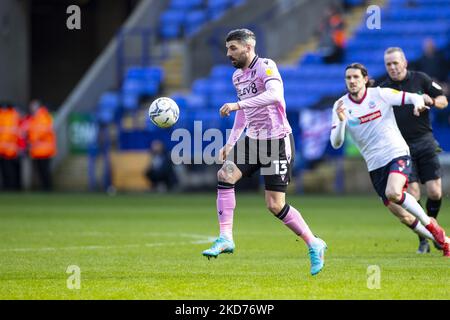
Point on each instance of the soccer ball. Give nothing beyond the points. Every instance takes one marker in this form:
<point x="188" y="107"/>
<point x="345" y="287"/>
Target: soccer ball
<point x="164" y="112"/>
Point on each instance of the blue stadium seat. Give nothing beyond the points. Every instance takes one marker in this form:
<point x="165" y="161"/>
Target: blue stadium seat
<point x="181" y="100"/>
<point x="172" y="16"/>
<point x="222" y="71"/>
<point x="130" y="100"/>
<point x="298" y="101"/>
<point x="194" y="20"/>
<point x="185" y="4"/>
<point x="170" y="31"/>
<point x="311" y="58"/>
<point x="201" y="87"/>
<point x="145" y="73"/>
<point x="288" y="73"/>
<point x="171" y="22"/>
<point x="220" y="86"/>
<point x="109" y="100"/>
<point x="216" y="8"/>
<point x="218" y="99"/>
<point x="196" y="101"/>
<point x="132" y="86"/>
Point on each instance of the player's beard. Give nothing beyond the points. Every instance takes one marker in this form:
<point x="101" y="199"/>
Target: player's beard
<point x="354" y="91"/>
<point x="239" y="63"/>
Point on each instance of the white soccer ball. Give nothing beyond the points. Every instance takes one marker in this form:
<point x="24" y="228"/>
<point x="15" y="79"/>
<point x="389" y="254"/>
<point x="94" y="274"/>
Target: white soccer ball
<point x="164" y="112"/>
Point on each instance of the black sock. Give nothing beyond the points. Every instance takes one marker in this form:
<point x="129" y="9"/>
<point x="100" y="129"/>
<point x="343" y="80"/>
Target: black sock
<point x="433" y="207"/>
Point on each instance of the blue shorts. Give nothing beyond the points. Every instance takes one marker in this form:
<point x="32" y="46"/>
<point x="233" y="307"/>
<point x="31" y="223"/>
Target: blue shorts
<point x="379" y="177"/>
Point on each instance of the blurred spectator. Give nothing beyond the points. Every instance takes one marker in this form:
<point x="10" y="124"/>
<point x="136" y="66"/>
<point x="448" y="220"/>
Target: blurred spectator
<point x="100" y="148"/>
<point x="160" y="170"/>
<point x="332" y="36"/>
<point x="42" y="142"/>
<point x="433" y="62"/>
<point x="9" y="147"/>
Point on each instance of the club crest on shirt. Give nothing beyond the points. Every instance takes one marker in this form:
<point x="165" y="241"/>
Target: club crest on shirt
<point x="253" y="73"/>
<point x="372" y="105"/>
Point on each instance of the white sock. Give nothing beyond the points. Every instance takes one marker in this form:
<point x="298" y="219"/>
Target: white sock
<point x="409" y="203"/>
<point x="422" y="231"/>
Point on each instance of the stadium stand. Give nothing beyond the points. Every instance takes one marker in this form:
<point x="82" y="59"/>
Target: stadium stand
<point x="185" y="17"/>
<point x="401" y="27"/>
<point x="318" y="82"/>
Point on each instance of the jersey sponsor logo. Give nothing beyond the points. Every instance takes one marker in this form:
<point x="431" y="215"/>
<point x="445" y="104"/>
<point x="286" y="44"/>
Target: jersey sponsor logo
<point x="369" y="117"/>
<point x="251" y="88"/>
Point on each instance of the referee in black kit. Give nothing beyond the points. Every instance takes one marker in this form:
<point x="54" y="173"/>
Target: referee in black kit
<point x="417" y="132"/>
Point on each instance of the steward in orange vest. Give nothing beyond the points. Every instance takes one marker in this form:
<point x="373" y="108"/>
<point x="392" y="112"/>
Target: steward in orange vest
<point x="42" y="142"/>
<point x="41" y="136"/>
<point x="9" y="147"/>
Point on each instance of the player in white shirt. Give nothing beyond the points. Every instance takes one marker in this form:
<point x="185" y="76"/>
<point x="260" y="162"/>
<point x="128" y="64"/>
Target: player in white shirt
<point x="368" y="115"/>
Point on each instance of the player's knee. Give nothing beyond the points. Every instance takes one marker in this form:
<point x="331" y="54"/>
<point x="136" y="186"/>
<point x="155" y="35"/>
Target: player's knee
<point x="227" y="174"/>
<point x="274" y="207"/>
<point x="223" y="177"/>
<point x="394" y="195"/>
<point x="434" y="194"/>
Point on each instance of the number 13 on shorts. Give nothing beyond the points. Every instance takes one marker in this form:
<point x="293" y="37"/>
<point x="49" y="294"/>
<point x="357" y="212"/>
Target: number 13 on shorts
<point x="280" y="166"/>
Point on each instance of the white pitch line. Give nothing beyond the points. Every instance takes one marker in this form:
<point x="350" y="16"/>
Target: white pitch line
<point x="205" y="239"/>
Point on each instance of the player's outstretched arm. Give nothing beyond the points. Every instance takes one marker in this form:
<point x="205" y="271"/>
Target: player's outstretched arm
<point x="396" y="98"/>
<point x="337" y="135"/>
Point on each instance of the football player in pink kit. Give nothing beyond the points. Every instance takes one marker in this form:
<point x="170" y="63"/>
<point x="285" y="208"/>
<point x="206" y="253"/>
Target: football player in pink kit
<point x="268" y="146"/>
<point x="368" y="115"/>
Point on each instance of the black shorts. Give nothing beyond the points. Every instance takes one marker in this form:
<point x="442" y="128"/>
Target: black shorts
<point x="425" y="160"/>
<point x="274" y="158"/>
<point x="380" y="176"/>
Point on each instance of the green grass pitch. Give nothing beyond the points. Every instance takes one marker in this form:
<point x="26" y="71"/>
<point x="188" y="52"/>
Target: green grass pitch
<point x="149" y="247"/>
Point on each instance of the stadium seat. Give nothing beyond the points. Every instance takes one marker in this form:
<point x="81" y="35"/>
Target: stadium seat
<point x="216" y="8"/>
<point x="220" y="86"/>
<point x="171" y="22"/>
<point x="130" y="101"/>
<point x="222" y="71"/>
<point x="185" y="4"/>
<point x="194" y="21"/>
<point x="110" y="100"/>
<point x="201" y="87"/>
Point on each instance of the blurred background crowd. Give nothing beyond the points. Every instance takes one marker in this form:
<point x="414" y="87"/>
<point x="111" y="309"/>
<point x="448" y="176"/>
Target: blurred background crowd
<point x="91" y="130"/>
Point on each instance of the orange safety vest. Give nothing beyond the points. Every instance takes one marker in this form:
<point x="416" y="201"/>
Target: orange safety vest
<point x="41" y="136"/>
<point x="9" y="133"/>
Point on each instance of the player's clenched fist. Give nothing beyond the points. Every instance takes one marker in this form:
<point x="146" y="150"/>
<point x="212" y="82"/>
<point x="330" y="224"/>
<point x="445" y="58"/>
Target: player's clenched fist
<point x="227" y="108"/>
<point x="340" y="110"/>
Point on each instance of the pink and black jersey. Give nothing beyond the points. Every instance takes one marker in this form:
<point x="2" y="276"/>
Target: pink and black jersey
<point x="264" y="115"/>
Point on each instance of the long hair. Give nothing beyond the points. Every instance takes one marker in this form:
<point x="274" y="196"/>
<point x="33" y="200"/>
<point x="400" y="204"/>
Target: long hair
<point x="363" y="70"/>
